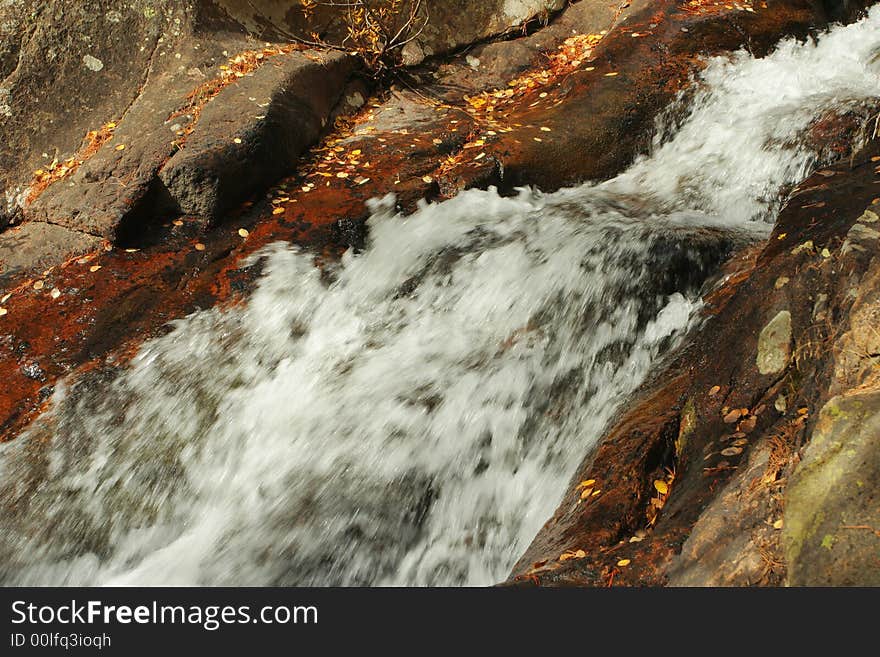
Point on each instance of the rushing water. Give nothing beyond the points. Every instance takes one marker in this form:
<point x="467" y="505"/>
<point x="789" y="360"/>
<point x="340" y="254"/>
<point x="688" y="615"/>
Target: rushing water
<point x="413" y="417"/>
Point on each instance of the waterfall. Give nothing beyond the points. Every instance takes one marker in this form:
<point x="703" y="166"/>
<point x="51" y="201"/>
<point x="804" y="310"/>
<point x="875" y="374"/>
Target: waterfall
<point x="412" y="414"/>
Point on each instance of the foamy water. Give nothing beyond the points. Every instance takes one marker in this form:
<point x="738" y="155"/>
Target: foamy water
<point x="415" y="419"/>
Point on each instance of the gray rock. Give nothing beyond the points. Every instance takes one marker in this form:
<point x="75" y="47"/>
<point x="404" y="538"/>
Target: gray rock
<point x="36" y="244"/>
<point x="251" y="133"/>
<point x="832" y="514"/>
<point x="774" y="344"/>
<point x="451" y="24"/>
<point x="725" y="546"/>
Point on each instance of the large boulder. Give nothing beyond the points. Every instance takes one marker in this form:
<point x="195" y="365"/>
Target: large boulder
<point x="188" y="89"/>
<point x="64" y="70"/>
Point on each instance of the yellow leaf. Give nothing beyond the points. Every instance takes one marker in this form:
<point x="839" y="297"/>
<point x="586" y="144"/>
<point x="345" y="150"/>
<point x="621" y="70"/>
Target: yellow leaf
<point x="55" y="293"/>
<point x="586" y="493"/>
<point x="279" y="210"/>
<point x="624" y="562"/>
<point x="200" y="246"/>
<point x="94" y="268"/>
<point x="3" y="311"/>
<point x="596" y="492"/>
<point x="585" y="483"/>
<point x="243" y="232"/>
<point x="121" y="147"/>
<point x="777" y="524"/>
<point x="38" y="285"/>
<point x="237" y="140"/>
<point x="661" y="486"/>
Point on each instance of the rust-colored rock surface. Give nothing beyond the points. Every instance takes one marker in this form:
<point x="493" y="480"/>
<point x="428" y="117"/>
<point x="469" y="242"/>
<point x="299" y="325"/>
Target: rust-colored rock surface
<point x="725" y="436"/>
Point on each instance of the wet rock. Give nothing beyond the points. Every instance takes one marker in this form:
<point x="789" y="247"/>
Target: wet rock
<point x="774" y="344"/>
<point x="832" y="515"/>
<point x="721" y="522"/>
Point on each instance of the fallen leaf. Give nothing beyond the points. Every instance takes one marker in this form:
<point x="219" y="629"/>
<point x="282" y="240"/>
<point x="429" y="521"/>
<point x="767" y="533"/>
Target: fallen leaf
<point x="731" y="451"/>
<point x="748" y="425"/>
<point x="714" y="390"/>
<point x="545" y="129"/>
<point x="237" y="140"/>
<point x="177" y="222"/>
<point x="38" y="285"/>
<point x="733" y="416"/>
<point x="586" y="493"/>
<point x="279" y="210"/>
<point x="55" y="293"/>
<point x="428" y="179"/>
<point x="243" y="232"/>
<point x="121" y="147"/>
<point x="611" y="75"/>
<point x="585" y="483"/>
<point x="3" y="311"/>
<point x="624" y="562"/>
<point x="94" y="268"/>
<point x="199" y="246"/>
<point x="777" y="524"/>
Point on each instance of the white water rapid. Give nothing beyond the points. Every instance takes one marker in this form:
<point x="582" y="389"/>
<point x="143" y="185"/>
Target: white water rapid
<point x="414" y="417"/>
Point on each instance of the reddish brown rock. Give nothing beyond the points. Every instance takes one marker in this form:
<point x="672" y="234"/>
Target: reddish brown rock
<point x="719" y="505"/>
